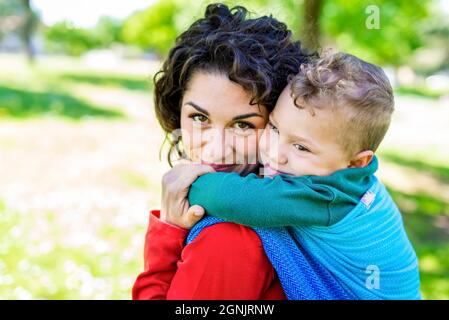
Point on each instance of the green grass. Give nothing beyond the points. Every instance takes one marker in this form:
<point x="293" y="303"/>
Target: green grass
<point x="130" y="83"/>
<point x="30" y="270"/>
<point x="135" y="180"/>
<point x="35" y="260"/>
<point x="439" y="172"/>
<point x="21" y="103"/>
<point x="419" y="91"/>
<point x="426" y="219"/>
<point x="30" y="92"/>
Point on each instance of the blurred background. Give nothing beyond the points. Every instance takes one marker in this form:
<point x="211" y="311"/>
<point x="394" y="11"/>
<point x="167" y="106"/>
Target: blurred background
<point x="79" y="142"/>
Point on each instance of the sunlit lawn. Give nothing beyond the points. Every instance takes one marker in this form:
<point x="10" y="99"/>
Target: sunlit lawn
<point x="36" y="262"/>
<point x="89" y="244"/>
<point x="426" y="217"/>
<point x="78" y="147"/>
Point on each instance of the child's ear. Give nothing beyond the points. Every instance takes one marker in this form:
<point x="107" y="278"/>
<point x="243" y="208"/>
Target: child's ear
<point x="362" y="159"/>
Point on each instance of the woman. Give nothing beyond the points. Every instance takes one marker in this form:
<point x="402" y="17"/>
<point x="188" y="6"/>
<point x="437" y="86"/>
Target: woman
<point x="218" y="85"/>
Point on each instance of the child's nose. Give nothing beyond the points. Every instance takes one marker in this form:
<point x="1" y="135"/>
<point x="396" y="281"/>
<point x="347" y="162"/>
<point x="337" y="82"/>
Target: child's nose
<point x="275" y="149"/>
<point x="281" y="155"/>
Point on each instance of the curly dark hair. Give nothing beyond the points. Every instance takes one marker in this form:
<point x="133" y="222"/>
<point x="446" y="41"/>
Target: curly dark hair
<point x="256" y="53"/>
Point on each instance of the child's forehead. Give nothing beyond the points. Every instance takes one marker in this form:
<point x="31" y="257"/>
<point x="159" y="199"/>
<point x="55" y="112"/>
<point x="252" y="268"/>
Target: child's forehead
<point x="320" y="108"/>
<point x="322" y="124"/>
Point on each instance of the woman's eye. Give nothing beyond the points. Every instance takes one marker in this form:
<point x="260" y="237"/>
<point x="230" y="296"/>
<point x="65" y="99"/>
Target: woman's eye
<point x="198" y="117"/>
<point x="243" y="126"/>
<point x="300" y="147"/>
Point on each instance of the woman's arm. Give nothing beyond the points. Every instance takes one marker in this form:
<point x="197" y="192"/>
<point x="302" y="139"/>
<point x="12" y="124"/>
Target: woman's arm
<point x="225" y="261"/>
<point x="163" y="246"/>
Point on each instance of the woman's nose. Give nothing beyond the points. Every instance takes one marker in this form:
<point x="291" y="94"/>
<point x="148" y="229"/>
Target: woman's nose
<point x="216" y="148"/>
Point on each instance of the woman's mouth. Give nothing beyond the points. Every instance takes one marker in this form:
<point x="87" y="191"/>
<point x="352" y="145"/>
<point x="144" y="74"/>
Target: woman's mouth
<point x="221" y="167"/>
<point x="270" y="171"/>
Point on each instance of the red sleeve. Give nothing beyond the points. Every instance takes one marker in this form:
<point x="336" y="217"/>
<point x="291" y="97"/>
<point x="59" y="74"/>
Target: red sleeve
<point x="163" y="245"/>
<point x="225" y="261"/>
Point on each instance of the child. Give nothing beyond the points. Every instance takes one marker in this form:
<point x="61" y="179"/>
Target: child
<point x="318" y="150"/>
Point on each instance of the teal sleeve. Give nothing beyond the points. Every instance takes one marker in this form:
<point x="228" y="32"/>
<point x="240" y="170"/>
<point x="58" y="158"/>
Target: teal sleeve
<point x="263" y="202"/>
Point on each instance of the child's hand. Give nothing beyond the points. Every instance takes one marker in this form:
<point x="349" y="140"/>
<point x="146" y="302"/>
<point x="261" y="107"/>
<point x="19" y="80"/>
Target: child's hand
<point x="175" y="207"/>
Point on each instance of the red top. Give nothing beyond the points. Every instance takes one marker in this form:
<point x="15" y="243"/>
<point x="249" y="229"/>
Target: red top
<point x="225" y="261"/>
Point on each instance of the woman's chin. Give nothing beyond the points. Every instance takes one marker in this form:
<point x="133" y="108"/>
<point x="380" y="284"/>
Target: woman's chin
<point x="242" y="169"/>
<point x="245" y="169"/>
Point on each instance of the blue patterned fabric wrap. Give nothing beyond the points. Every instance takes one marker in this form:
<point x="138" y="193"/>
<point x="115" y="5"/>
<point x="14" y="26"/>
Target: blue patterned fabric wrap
<point x="368" y="251"/>
<point x="342" y="261"/>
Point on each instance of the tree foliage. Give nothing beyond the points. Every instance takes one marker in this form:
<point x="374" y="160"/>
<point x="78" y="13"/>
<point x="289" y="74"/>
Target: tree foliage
<point x="154" y="28"/>
<point x="65" y="37"/>
<point x="398" y="34"/>
<point x="342" y="24"/>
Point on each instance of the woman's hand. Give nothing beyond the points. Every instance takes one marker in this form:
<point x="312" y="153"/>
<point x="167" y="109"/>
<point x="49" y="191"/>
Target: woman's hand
<point x="175" y="188"/>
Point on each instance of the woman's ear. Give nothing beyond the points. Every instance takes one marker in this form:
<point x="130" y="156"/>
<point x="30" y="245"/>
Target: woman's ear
<point x="362" y="159"/>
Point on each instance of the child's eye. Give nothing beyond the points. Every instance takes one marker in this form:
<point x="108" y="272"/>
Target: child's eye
<point x="272" y="127"/>
<point x="197" y="117"/>
<point x="300" y="147"/>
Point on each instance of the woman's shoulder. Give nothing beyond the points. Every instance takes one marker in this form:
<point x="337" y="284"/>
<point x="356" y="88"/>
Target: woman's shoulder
<point x="231" y="233"/>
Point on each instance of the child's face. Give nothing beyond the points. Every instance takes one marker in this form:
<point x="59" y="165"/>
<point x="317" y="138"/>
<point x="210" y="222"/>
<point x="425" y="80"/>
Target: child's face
<point x="297" y="143"/>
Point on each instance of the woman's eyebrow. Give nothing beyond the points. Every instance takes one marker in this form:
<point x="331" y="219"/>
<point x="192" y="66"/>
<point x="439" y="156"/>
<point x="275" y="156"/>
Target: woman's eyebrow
<point x="197" y="107"/>
<point x="247" y="115"/>
<point x="239" y="117"/>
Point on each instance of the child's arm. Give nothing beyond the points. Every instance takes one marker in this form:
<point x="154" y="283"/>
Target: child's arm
<point x="281" y="201"/>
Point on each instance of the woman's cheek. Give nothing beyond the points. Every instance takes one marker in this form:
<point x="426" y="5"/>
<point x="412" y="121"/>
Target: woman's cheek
<point x="190" y="143"/>
<point x="251" y="148"/>
<point x="262" y="142"/>
<point x="257" y="139"/>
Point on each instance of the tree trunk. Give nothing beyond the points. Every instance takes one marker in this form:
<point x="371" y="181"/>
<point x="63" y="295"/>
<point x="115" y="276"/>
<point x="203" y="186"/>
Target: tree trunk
<point x="27" y="30"/>
<point x="311" y="25"/>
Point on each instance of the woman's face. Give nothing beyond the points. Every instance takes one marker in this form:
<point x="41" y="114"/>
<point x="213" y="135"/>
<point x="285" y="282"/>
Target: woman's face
<point x="219" y="126"/>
